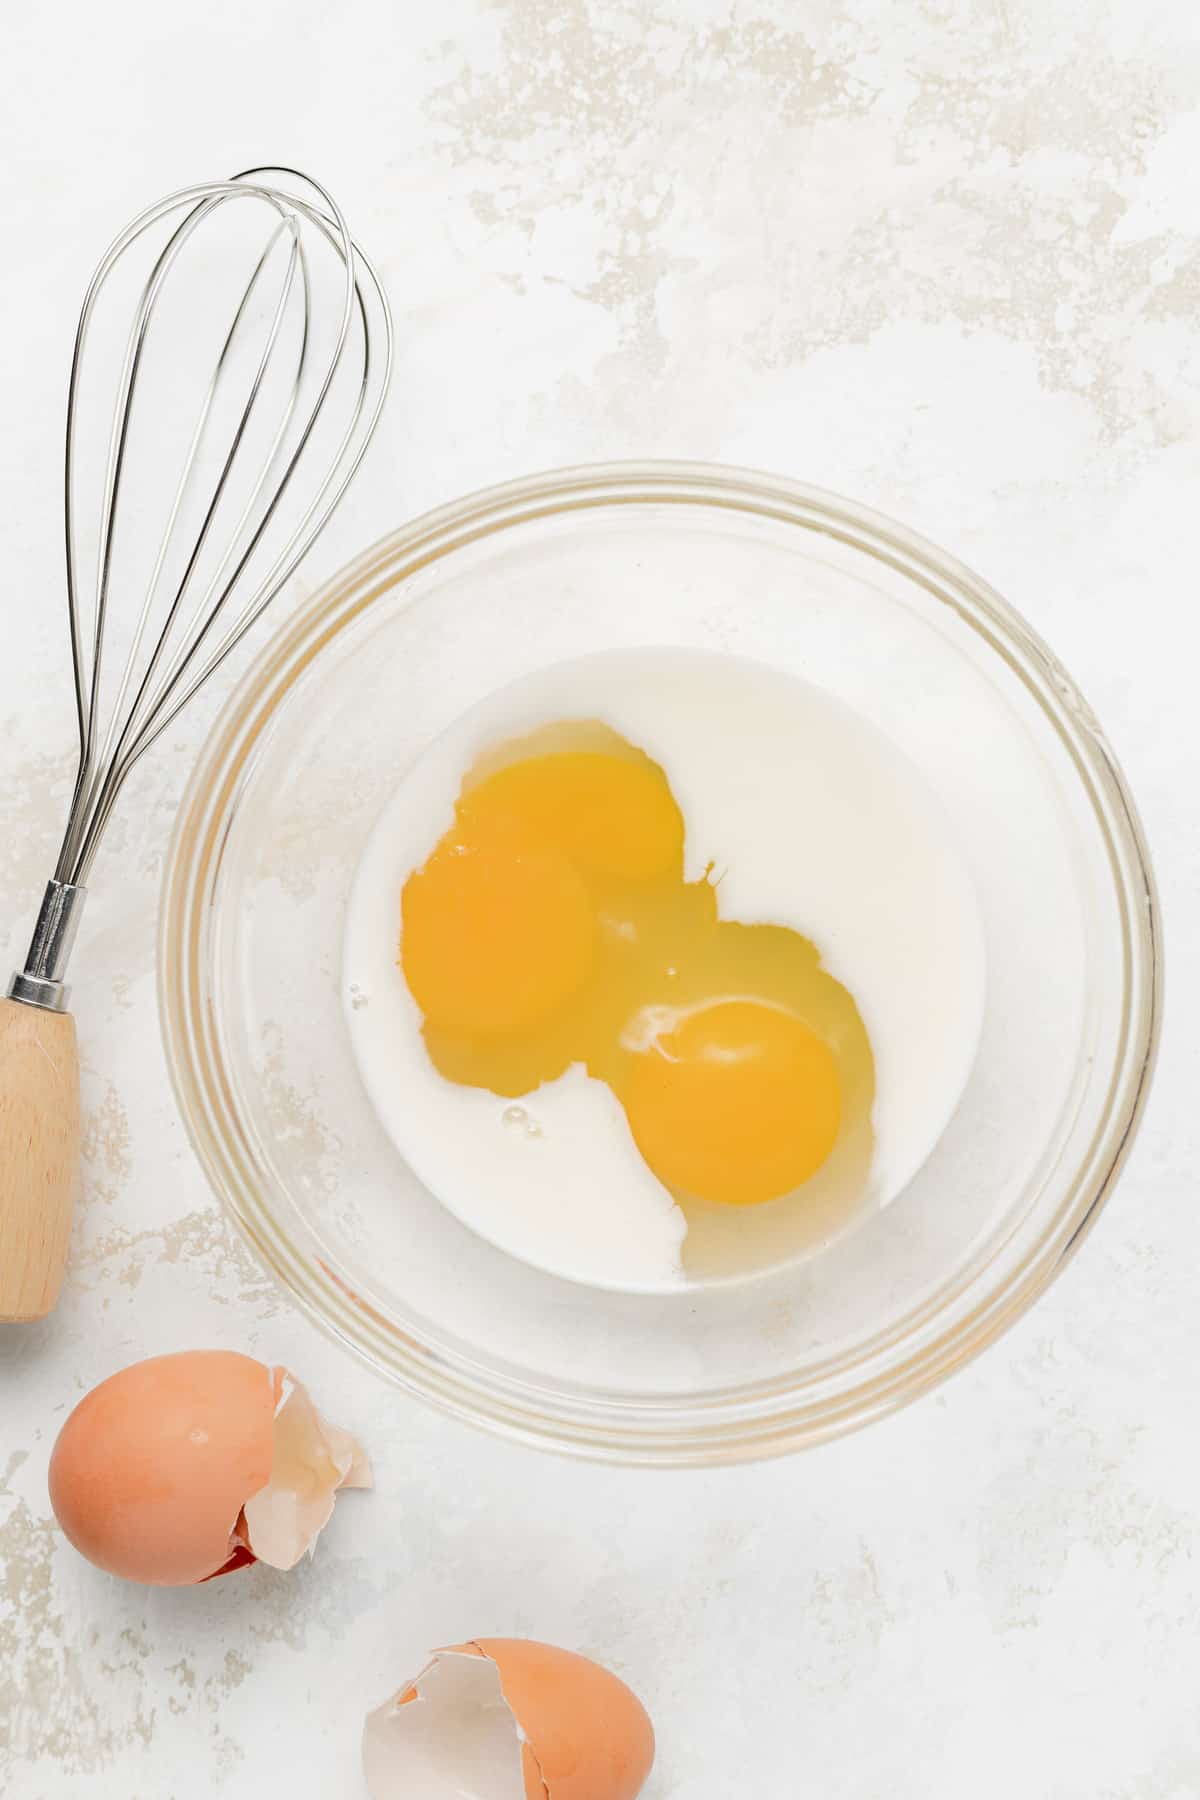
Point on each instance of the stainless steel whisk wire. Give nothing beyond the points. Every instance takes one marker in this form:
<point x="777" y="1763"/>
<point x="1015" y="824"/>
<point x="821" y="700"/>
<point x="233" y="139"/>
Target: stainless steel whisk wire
<point x="189" y="648"/>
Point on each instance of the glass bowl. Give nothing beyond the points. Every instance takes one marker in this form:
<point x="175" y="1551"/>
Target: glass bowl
<point x="283" y="800"/>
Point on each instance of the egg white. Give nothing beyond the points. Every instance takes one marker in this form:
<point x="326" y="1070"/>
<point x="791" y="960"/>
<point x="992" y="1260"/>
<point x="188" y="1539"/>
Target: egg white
<point x="810" y="818"/>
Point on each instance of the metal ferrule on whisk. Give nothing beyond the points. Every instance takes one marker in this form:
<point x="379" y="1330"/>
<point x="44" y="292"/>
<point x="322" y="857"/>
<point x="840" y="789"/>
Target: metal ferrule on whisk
<point x="40" y="982"/>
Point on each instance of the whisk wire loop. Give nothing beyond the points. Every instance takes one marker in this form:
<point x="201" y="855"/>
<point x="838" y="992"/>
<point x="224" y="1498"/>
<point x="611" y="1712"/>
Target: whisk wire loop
<point x="306" y="339"/>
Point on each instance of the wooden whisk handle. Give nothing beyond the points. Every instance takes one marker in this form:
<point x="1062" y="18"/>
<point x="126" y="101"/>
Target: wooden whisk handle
<point x="39" y="1155"/>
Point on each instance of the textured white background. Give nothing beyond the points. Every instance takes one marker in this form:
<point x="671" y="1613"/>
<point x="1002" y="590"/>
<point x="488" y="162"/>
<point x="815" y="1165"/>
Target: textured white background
<point x="942" y="256"/>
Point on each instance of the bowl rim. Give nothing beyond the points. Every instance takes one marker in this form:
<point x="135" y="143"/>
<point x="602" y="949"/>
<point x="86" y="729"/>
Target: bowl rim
<point x="765" y="1418"/>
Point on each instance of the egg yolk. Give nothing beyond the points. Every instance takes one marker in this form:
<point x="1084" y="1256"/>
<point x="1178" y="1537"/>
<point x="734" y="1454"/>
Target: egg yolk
<point x="495" y="936"/>
<point x="552" y="924"/>
<point x="736" y="1102"/>
<point x="611" y="816"/>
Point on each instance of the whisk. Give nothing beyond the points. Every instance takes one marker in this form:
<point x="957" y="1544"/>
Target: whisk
<point x="290" y="389"/>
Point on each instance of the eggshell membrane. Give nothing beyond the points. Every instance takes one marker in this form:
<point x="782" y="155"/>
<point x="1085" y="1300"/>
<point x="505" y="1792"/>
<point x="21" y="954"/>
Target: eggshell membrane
<point x="151" y="1470"/>
<point x="450" y="1735"/>
<point x="587" y="1736"/>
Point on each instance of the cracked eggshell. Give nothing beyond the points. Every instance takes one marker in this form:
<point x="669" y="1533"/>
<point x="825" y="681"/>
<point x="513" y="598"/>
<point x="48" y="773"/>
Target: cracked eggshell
<point x="448" y="1735"/>
<point x="155" y="1473"/>
<point x="312" y="1460"/>
<point x="509" y="1719"/>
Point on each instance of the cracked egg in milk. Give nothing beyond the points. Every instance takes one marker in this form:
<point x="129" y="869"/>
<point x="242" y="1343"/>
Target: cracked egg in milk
<point x="660" y="966"/>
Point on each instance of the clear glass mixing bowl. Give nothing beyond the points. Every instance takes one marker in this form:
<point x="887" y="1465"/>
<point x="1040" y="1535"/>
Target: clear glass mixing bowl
<point x="311" y="745"/>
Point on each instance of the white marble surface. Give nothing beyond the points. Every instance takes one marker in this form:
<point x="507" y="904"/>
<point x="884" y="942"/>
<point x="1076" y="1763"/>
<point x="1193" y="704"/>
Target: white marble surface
<point x="943" y="256"/>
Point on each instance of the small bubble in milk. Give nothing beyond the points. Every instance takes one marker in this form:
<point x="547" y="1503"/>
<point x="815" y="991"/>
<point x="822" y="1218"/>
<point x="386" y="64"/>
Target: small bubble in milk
<point x="517" y="1119"/>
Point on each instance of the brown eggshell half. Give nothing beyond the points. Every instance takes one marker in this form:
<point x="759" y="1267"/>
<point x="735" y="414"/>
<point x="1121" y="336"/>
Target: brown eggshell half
<point x="151" y="1470"/>
<point x="587" y="1735"/>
